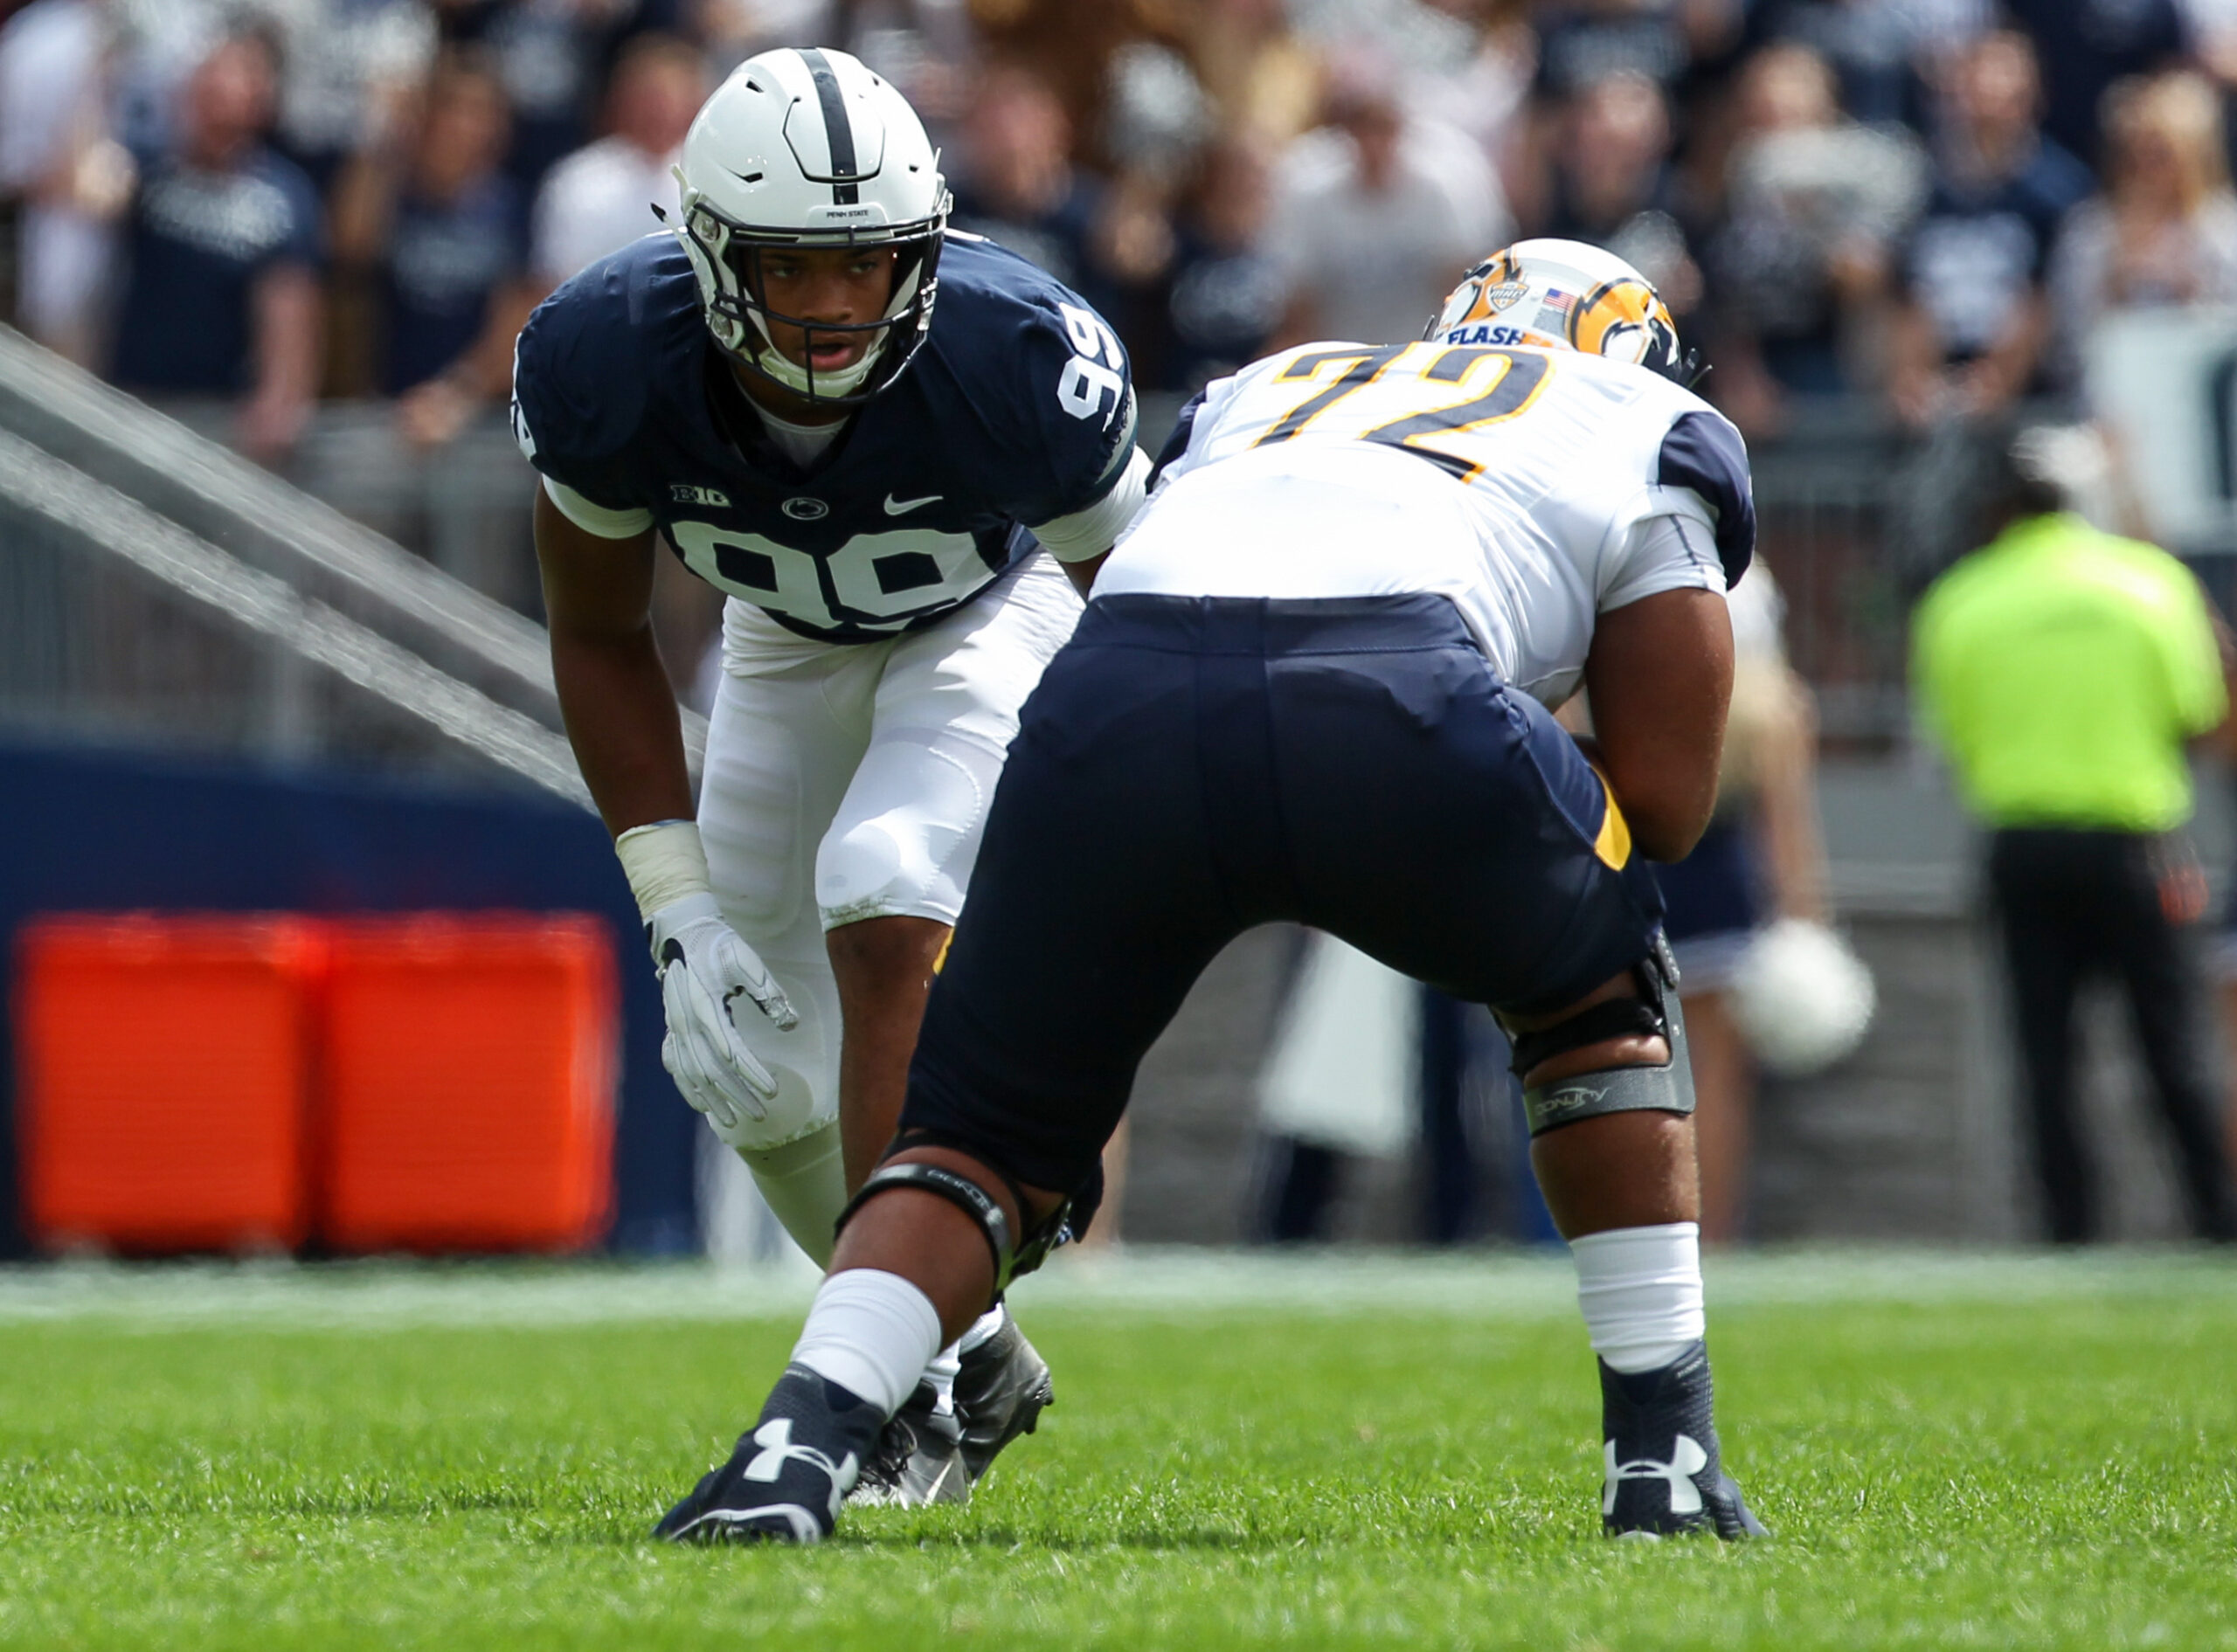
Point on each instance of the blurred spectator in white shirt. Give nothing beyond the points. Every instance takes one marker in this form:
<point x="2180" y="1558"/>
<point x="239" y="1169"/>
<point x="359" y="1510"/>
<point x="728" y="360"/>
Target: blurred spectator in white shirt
<point x="601" y="198"/>
<point x="2164" y="232"/>
<point x="1377" y="215"/>
<point x="50" y="128"/>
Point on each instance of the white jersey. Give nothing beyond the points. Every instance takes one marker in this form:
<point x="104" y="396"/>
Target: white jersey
<point x="1537" y="488"/>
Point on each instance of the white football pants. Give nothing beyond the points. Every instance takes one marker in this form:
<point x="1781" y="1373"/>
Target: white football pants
<point x="850" y="781"/>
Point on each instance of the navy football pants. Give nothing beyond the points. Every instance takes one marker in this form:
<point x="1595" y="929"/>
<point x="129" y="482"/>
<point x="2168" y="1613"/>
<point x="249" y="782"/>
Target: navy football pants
<point x="1191" y="767"/>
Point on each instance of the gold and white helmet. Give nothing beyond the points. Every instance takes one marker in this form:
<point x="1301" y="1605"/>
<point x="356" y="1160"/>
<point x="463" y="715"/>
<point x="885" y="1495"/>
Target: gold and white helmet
<point x="1568" y="296"/>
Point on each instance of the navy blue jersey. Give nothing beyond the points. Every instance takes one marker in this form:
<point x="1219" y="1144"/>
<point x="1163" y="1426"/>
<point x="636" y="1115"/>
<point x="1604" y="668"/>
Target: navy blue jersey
<point x="443" y="262"/>
<point x="197" y="244"/>
<point x="1018" y="409"/>
<point x="1979" y="249"/>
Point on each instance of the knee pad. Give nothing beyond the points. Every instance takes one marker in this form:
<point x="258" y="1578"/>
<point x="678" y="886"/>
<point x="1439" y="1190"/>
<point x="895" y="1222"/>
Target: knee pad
<point x="907" y="835"/>
<point x="1654" y="1014"/>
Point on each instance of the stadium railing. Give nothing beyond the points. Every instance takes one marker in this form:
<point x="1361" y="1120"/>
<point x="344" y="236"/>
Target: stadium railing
<point x="158" y="583"/>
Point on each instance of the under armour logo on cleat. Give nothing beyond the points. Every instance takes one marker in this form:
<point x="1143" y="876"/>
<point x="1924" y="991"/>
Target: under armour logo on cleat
<point x="775" y="1438"/>
<point x="1688" y="1460"/>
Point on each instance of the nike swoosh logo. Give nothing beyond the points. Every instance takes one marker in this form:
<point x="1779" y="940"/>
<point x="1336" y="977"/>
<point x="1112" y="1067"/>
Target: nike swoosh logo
<point x="902" y="506"/>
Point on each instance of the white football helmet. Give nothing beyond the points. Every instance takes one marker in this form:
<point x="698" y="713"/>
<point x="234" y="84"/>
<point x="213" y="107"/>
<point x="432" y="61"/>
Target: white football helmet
<point x="1564" y="295"/>
<point x="806" y="148"/>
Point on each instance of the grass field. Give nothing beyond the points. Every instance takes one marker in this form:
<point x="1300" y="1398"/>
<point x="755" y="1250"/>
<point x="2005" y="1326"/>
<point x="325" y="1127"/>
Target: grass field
<point x="1328" y="1453"/>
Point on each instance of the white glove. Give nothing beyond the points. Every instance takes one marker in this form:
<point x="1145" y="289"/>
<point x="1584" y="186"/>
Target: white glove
<point x="705" y="968"/>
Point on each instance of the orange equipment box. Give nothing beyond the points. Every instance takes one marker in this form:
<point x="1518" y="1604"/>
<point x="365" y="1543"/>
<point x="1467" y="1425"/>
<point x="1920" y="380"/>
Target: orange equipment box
<point x="468" y="1071"/>
<point x="165" y="1065"/>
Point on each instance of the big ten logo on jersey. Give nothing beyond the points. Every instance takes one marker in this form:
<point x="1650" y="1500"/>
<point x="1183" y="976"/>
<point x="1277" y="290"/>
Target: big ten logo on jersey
<point x="1419" y="398"/>
<point x="1094" y="380"/>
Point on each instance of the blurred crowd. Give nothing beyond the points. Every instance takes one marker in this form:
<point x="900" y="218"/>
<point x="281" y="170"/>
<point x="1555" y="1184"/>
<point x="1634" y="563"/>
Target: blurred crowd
<point x="1928" y="202"/>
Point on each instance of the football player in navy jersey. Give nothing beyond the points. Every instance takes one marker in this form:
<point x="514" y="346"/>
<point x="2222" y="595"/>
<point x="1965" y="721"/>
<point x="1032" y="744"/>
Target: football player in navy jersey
<point x="863" y="428"/>
<point x="1317" y="685"/>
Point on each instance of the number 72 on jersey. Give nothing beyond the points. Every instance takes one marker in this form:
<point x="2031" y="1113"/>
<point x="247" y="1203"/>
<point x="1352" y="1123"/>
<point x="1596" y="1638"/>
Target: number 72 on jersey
<point x="1433" y="390"/>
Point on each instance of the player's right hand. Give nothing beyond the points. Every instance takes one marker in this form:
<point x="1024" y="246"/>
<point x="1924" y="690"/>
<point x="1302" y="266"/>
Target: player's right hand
<point x="706" y="967"/>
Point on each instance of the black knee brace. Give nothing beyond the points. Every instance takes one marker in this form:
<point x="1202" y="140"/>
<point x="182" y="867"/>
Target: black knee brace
<point x="1012" y="1260"/>
<point x="1654" y="1014"/>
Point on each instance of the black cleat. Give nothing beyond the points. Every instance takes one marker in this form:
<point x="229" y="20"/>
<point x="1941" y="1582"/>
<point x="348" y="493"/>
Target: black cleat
<point x="784" y="1481"/>
<point x="1663" y="1473"/>
<point x="1000" y="1394"/>
<point x="917" y="1460"/>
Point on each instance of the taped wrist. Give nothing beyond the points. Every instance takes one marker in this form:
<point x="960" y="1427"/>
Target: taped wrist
<point x="664" y="862"/>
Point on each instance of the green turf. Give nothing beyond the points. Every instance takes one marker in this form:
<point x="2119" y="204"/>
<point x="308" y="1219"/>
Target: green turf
<point x="2012" y="1455"/>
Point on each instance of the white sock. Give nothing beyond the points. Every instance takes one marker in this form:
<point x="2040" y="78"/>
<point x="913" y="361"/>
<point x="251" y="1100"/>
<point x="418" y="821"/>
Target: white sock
<point x="872" y="1333"/>
<point x="946" y="1366"/>
<point x="1641" y="1289"/>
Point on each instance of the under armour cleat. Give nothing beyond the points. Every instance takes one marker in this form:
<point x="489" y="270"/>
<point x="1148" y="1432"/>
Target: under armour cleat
<point x="785" y="1482"/>
<point x="918" y="1458"/>
<point x="1000" y="1394"/>
<point x="1663" y="1473"/>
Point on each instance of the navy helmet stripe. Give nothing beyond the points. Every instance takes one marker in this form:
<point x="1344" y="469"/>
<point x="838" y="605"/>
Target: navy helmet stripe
<point x="838" y="131"/>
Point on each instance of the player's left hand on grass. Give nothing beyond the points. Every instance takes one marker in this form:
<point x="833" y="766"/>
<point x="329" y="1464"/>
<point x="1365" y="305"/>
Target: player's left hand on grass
<point x="705" y="968"/>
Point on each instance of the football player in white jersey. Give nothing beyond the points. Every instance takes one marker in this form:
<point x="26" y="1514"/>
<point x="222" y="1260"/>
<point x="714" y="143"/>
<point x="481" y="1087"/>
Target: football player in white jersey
<point x="870" y="476"/>
<point x="1316" y="684"/>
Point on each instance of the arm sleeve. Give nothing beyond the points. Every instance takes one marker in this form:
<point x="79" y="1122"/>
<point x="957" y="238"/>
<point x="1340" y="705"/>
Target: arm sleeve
<point x="1702" y="452"/>
<point x="594" y="518"/>
<point x="1670" y="551"/>
<point x="1089" y="533"/>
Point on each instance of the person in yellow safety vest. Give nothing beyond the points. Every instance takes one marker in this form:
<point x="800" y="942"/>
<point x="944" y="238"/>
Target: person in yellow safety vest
<point x="2064" y="670"/>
